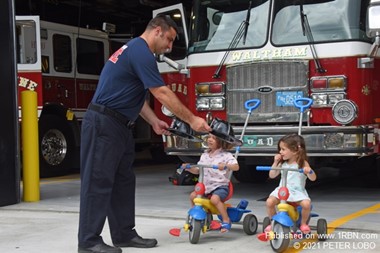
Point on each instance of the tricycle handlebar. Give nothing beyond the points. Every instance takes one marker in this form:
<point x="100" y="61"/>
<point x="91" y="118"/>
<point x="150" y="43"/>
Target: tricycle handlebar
<point x="252" y="104"/>
<point x="188" y="166"/>
<point x="267" y="168"/>
<point x="303" y="103"/>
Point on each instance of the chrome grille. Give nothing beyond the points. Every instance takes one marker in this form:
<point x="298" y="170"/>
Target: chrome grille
<point x="263" y="80"/>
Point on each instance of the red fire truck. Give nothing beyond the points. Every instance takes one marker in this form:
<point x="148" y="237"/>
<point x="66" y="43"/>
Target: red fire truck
<point x="277" y="51"/>
<point x="62" y="64"/>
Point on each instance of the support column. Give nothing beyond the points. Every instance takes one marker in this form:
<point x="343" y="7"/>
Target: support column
<point x="9" y="128"/>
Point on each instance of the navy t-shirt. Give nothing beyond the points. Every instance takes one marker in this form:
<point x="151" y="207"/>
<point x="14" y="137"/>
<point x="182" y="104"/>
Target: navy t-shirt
<point x="126" y="78"/>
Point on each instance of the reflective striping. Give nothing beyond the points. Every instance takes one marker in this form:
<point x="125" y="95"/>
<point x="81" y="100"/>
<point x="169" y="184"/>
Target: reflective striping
<point x="39" y="108"/>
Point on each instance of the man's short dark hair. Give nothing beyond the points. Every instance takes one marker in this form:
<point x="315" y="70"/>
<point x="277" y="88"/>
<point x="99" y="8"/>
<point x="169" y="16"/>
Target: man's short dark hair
<point x="164" y="21"/>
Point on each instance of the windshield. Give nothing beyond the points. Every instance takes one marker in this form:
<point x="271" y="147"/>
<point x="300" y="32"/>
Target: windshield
<point x="215" y="22"/>
<point x="329" y="21"/>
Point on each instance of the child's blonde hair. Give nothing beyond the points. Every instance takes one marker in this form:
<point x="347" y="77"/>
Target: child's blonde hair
<point x="295" y="143"/>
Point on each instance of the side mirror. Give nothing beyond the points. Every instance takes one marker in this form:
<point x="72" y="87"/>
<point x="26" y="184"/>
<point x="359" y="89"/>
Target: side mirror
<point x="373" y="19"/>
<point x="373" y="31"/>
<point x="170" y="62"/>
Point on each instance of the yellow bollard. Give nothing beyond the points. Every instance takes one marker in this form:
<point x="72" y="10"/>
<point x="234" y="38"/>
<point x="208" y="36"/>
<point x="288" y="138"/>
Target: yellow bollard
<point x="29" y="135"/>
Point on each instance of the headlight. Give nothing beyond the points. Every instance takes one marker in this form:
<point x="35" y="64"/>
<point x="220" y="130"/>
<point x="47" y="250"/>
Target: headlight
<point x="210" y="103"/>
<point x="344" y="112"/>
<point x="319" y="99"/>
<point x="327" y="99"/>
<point x="203" y="103"/>
<point x="335" y="97"/>
<point x="210" y="96"/>
<point x="216" y="103"/>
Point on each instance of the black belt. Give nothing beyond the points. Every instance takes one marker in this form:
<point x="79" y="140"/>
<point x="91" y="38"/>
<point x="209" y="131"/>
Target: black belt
<point x="107" y="111"/>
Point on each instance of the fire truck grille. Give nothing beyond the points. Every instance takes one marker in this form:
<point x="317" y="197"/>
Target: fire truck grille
<point x="275" y="84"/>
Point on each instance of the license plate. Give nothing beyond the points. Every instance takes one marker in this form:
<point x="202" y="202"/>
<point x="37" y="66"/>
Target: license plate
<point x="253" y="141"/>
<point x="286" y="98"/>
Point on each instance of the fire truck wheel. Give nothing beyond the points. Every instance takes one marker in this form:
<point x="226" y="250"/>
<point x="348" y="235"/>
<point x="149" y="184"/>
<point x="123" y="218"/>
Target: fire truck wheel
<point x="57" y="146"/>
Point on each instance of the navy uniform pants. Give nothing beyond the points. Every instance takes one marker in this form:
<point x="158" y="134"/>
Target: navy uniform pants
<point x="107" y="180"/>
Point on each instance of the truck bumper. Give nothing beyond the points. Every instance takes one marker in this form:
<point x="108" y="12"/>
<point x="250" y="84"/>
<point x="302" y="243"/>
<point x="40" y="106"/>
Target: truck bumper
<point x="320" y="141"/>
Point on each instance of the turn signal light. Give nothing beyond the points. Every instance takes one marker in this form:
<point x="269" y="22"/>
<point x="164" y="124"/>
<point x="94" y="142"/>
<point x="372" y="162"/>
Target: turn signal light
<point x="210" y="89"/>
<point x="328" y="83"/>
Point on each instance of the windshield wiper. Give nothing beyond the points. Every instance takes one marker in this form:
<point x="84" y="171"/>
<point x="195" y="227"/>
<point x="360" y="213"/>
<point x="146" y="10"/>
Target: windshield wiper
<point x="306" y="30"/>
<point x="241" y="31"/>
<point x="247" y="22"/>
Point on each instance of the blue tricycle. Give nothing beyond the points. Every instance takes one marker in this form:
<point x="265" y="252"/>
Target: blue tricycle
<point x="200" y="216"/>
<point x="286" y="222"/>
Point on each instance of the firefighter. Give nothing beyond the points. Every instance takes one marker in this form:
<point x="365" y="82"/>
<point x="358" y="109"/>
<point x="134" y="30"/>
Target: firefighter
<point x="107" y="144"/>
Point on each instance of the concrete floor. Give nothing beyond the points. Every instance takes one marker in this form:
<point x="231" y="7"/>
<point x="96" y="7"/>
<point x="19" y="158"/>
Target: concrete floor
<point x="50" y="225"/>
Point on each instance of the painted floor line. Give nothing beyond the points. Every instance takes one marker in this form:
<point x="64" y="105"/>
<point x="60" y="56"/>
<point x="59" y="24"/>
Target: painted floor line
<point x="339" y="222"/>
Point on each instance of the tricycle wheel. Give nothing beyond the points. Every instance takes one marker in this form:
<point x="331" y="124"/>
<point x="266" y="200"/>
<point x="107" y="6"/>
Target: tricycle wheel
<point x="195" y="230"/>
<point x="266" y="223"/>
<point x="250" y="224"/>
<point x="322" y="229"/>
<point x="209" y="220"/>
<point x="282" y="236"/>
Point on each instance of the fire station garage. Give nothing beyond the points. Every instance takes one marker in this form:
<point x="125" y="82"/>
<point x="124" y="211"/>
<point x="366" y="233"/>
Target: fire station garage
<point x="59" y="148"/>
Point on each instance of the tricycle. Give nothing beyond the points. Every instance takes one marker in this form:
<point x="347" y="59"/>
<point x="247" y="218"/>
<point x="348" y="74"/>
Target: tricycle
<point x="286" y="222"/>
<point x="200" y="216"/>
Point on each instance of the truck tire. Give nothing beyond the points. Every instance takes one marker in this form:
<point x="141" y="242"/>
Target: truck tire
<point x="56" y="146"/>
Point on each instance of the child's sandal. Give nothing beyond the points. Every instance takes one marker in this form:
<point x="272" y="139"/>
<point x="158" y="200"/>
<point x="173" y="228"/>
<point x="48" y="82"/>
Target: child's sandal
<point x="305" y="229"/>
<point x="225" y="227"/>
<point x="215" y="225"/>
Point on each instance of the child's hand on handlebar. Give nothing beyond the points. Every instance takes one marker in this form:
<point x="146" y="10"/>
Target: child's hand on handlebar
<point x="307" y="170"/>
<point x="189" y="168"/>
<point x="222" y="166"/>
<point x="185" y="166"/>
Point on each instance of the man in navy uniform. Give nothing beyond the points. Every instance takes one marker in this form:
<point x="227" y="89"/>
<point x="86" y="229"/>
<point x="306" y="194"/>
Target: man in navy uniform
<point x="107" y="145"/>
